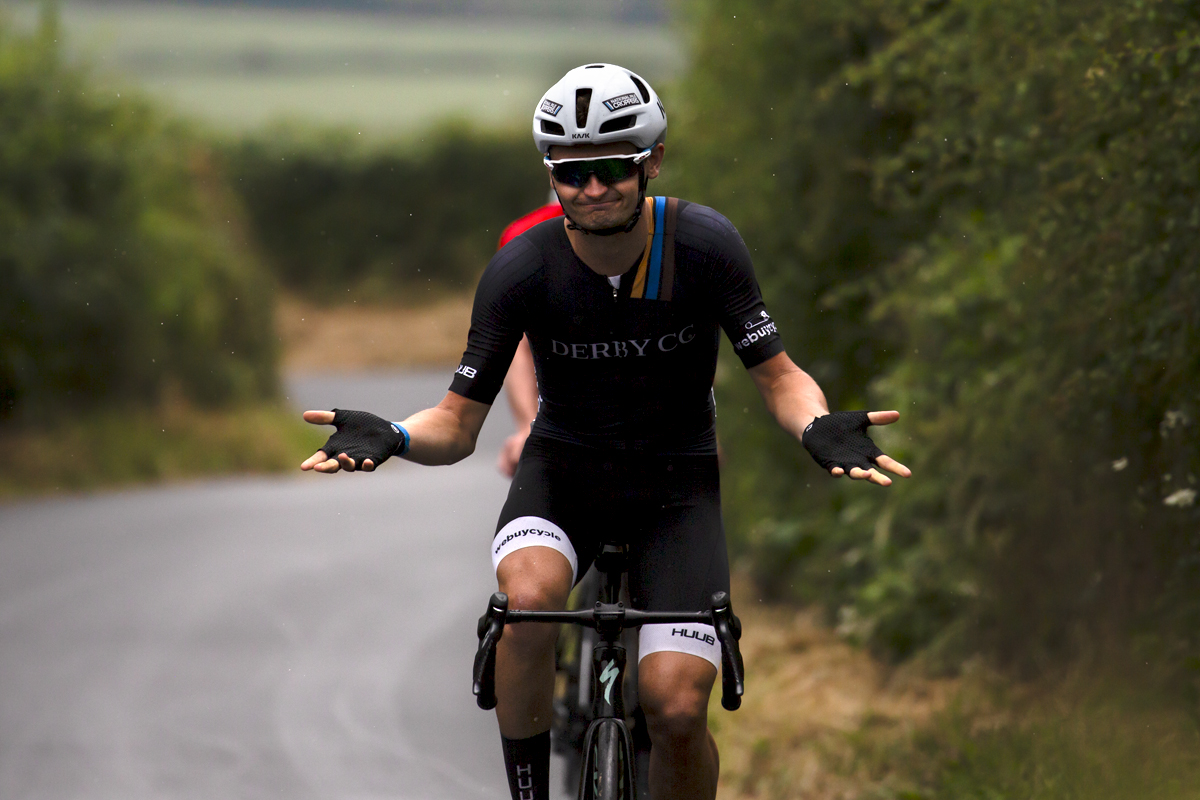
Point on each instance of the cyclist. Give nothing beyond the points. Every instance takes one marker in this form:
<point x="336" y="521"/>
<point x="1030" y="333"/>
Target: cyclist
<point x="622" y="301"/>
<point x="520" y="384"/>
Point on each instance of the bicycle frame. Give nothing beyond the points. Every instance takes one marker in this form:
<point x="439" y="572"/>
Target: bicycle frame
<point x="609" y="618"/>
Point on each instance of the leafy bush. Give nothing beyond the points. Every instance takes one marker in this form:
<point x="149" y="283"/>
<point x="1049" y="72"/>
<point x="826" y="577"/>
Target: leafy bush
<point x="335" y="217"/>
<point x="984" y="214"/>
<point x="124" y="274"/>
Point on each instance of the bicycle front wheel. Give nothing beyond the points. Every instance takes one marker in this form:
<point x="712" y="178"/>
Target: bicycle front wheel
<point x="608" y="769"/>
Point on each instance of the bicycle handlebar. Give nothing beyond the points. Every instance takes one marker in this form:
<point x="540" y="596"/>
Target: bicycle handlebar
<point x="610" y="618"/>
<point x="489" y="631"/>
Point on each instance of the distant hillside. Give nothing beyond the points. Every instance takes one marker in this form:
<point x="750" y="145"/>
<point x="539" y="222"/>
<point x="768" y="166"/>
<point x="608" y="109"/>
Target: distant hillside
<point x="612" y="11"/>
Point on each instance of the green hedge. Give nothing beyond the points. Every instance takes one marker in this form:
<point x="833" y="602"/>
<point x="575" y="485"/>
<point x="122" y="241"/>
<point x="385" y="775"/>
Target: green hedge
<point x="124" y="269"/>
<point x="985" y="214"/>
<point x="337" y="219"/>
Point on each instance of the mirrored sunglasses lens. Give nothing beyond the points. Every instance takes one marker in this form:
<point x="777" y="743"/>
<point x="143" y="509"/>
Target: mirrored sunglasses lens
<point x="573" y="173"/>
<point x="607" y="170"/>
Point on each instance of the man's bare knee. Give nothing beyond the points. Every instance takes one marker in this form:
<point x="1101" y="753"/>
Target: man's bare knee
<point x="535" y="579"/>
<point x="674" y="690"/>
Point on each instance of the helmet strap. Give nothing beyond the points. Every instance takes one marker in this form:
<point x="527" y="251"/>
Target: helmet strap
<point x="625" y="227"/>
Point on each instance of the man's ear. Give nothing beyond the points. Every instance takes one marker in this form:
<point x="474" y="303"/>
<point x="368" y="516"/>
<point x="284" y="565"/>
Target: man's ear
<point x="654" y="162"/>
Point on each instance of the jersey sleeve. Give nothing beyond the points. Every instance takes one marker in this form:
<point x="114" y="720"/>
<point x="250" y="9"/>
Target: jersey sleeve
<point x="497" y="324"/>
<point x="737" y="298"/>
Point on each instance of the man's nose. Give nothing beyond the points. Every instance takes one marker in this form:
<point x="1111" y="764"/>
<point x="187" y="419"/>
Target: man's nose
<point x="594" y="187"/>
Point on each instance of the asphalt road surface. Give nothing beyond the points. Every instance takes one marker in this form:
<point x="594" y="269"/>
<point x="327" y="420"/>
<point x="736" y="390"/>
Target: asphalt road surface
<point x="297" y="637"/>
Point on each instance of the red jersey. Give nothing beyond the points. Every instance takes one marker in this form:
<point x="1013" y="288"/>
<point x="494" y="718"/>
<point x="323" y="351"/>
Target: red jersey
<point x="522" y="224"/>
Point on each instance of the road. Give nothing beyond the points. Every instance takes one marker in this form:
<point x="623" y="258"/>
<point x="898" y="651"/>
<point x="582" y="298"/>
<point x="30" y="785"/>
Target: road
<point x="292" y="637"/>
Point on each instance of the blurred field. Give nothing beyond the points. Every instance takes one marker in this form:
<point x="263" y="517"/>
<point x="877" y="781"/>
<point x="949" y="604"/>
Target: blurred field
<point x="239" y="68"/>
<point x="353" y="337"/>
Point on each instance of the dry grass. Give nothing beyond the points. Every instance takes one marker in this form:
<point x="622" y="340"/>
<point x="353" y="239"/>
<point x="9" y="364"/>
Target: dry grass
<point x="808" y="695"/>
<point x="355" y="336"/>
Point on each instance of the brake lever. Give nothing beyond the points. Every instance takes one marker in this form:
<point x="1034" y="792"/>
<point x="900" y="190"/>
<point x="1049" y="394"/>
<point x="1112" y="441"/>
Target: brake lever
<point x="489" y="630"/>
<point x="729" y="630"/>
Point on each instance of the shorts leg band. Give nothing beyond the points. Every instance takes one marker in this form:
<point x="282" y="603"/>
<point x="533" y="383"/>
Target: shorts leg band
<point x="689" y="637"/>
<point x="525" y="532"/>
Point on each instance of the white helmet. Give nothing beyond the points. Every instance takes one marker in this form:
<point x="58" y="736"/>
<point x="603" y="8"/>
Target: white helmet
<point x="597" y="104"/>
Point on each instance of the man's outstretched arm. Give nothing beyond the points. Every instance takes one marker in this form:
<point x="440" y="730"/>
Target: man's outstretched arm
<point x="443" y="434"/>
<point x="795" y="400"/>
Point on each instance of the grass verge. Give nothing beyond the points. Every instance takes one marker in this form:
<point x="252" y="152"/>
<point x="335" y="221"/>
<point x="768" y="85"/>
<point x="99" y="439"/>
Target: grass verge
<point x="822" y="721"/>
<point x="174" y="442"/>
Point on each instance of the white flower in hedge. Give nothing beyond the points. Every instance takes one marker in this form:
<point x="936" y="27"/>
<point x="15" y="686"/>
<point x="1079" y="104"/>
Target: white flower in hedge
<point x="1181" y="498"/>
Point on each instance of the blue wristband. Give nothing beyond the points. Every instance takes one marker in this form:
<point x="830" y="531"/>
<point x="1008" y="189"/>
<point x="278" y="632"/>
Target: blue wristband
<point x="405" y="439"/>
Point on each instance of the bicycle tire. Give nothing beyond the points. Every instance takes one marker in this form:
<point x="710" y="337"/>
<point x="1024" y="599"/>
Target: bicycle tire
<point x="607" y="764"/>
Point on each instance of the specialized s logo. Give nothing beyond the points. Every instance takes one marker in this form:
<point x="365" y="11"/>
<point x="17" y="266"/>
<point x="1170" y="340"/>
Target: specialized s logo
<point x="622" y="101"/>
<point x="465" y="371"/>
<point x="757" y="329"/>
<point x="550" y="107"/>
<point x="608" y="677"/>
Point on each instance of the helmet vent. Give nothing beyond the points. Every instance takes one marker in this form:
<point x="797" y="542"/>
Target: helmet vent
<point x="552" y="128"/>
<point x="618" y="124"/>
<point x="583" y="101"/>
<point x="641" y="87"/>
<point x="594" y="66"/>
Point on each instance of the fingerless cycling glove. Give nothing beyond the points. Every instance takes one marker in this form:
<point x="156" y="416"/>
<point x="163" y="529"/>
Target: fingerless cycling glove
<point x="362" y="435"/>
<point x="840" y="440"/>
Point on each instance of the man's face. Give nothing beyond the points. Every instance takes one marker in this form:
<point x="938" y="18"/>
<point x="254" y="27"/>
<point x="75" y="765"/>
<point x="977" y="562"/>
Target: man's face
<point x="595" y="206"/>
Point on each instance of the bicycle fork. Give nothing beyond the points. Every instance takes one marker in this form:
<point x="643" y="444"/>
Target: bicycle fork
<point x="607" y="745"/>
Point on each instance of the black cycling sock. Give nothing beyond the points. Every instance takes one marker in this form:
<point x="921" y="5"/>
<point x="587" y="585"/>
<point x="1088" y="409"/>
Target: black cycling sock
<point x="528" y="765"/>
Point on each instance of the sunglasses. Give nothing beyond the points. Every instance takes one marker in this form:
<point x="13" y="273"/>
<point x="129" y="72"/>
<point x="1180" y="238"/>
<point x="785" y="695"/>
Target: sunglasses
<point x="577" y="172"/>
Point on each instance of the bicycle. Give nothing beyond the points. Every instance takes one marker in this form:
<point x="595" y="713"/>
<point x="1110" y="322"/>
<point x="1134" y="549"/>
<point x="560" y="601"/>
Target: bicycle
<point x="572" y="700"/>
<point x="608" y="768"/>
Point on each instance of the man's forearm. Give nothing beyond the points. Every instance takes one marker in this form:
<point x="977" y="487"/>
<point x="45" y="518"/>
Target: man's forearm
<point x="445" y="433"/>
<point x="791" y="395"/>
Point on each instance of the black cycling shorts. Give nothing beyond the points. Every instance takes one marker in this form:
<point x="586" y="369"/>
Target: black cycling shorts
<point x="666" y="508"/>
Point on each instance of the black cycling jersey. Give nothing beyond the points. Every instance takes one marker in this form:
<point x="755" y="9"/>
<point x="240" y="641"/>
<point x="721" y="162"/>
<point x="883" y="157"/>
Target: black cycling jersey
<point x="628" y="367"/>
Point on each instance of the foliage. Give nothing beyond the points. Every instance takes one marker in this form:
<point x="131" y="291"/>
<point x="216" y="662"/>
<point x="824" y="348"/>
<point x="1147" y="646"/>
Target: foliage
<point x="174" y="441"/>
<point x="119" y="249"/>
<point x="984" y="214"/>
<point x="1079" y="742"/>
<point x="338" y="219"/>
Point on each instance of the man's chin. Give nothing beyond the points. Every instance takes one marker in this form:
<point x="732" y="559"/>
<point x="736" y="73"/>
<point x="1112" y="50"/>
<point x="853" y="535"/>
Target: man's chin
<point x="600" y="222"/>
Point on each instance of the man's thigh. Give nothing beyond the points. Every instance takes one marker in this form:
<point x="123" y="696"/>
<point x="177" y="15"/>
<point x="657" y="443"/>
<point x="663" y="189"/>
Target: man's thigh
<point x="551" y="504"/>
<point x="679" y="560"/>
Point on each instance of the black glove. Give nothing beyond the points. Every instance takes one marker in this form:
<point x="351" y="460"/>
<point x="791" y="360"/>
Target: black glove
<point x="362" y="436"/>
<point x="840" y="440"/>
